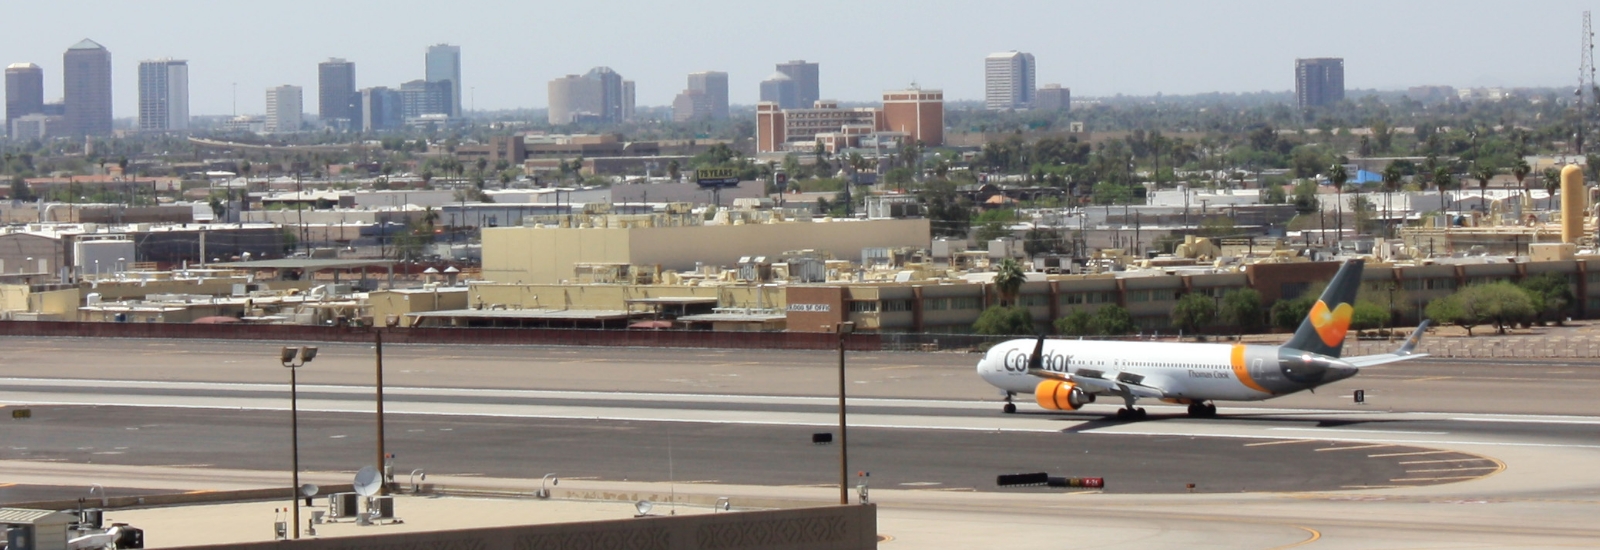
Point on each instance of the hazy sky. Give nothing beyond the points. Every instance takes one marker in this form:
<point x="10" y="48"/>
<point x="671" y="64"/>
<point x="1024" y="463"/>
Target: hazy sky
<point x="510" y="49"/>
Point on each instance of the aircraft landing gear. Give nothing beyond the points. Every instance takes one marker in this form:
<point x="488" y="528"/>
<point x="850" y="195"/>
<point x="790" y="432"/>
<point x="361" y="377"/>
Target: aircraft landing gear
<point x="1202" y="410"/>
<point x="1010" y="408"/>
<point x="1128" y="411"/>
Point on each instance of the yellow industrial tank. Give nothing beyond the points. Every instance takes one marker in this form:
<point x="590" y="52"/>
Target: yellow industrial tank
<point x="1574" y="201"/>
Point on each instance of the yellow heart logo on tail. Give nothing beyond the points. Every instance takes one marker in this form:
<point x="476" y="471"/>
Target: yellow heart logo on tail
<point x="1331" y="325"/>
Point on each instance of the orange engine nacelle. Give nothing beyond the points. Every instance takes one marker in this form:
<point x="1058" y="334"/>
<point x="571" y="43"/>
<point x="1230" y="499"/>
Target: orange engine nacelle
<point x="1057" y="395"/>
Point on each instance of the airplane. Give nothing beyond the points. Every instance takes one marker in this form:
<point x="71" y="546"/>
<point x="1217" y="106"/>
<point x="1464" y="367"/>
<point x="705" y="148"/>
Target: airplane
<point x="1064" y="375"/>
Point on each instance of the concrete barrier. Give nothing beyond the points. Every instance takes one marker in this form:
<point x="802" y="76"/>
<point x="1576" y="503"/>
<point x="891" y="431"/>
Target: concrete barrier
<point x="825" y="528"/>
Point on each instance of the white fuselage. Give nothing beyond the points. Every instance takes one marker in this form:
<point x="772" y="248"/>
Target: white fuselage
<point x="1200" y="372"/>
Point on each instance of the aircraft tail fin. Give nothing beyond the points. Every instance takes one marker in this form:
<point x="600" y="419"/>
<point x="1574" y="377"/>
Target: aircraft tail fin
<point x="1323" y="331"/>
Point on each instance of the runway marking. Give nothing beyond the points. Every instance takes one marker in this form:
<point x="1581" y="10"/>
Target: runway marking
<point x="1403" y="479"/>
<point x="1428" y="379"/>
<point x="580" y="478"/>
<point x="1284" y="442"/>
<point x="699" y="481"/>
<point x="4" y="485"/>
<point x="1443" y="461"/>
<point x="1370" y="486"/>
<point x="1340" y="430"/>
<point x="1374" y="446"/>
<point x="1416" y="453"/>
<point x="1530" y="421"/>
<point x="920" y="484"/>
<point x="901" y="367"/>
<point x="1315" y="536"/>
<point x="814" y="485"/>
<point x="1452" y="469"/>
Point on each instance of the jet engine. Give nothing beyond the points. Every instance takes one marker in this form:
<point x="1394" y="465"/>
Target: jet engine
<point x="1060" y="395"/>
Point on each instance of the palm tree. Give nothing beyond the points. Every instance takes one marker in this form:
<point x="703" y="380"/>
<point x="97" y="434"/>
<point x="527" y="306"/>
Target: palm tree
<point x="1519" y="170"/>
<point x="1008" y="279"/>
<point x="1391" y="183"/>
<point x="1552" y="183"/>
<point x="1338" y="176"/>
<point x="1484" y="172"/>
<point x="1442" y="179"/>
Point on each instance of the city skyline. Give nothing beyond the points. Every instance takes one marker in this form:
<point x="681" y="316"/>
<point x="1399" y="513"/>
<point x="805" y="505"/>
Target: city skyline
<point x="1420" y="45"/>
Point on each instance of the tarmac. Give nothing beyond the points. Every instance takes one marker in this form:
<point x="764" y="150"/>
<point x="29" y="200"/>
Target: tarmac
<point x="1451" y="453"/>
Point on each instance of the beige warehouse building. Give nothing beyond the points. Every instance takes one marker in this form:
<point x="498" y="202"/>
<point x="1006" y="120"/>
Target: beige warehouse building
<point x="546" y="255"/>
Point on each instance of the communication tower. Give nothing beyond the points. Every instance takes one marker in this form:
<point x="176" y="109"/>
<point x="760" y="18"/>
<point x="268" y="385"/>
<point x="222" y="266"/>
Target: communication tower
<point x="1587" y="90"/>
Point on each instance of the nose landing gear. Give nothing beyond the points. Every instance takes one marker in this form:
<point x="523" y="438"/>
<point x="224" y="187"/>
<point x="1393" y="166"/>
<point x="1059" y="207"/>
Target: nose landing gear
<point x="1010" y="408"/>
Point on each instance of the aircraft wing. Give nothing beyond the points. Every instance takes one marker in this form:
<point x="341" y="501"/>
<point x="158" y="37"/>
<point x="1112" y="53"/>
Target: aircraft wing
<point x="1094" y="381"/>
<point x="1405" y="352"/>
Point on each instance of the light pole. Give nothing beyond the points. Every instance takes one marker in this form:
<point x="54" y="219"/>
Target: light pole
<point x="305" y="355"/>
<point x="845" y="328"/>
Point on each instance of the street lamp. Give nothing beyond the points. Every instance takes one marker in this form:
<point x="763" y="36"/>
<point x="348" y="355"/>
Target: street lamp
<point x="288" y="358"/>
<point x="845" y="328"/>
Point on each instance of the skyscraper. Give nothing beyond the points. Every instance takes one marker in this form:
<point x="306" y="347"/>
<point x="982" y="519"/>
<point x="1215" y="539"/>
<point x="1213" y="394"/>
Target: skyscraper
<point x="163" y="95"/>
<point x="780" y="88"/>
<point x="806" y="87"/>
<point x="444" y="64"/>
<point x="714" y="84"/>
<point x="86" y="76"/>
<point x="1008" y="81"/>
<point x="283" y="109"/>
<point x="337" y="101"/>
<point x="1318" y="81"/>
<point x="24" y="91"/>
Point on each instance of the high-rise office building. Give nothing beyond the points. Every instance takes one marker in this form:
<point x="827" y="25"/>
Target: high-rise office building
<point x="1318" y="82"/>
<point x="86" y="77"/>
<point x="714" y="85"/>
<point x="1008" y="81"/>
<point x="601" y="95"/>
<point x="627" y="100"/>
<point x="338" y="105"/>
<point x="780" y="89"/>
<point x="380" y="109"/>
<point x="163" y="95"/>
<point x="24" y="91"/>
<point x="419" y="98"/>
<point x="1052" y="97"/>
<point x="574" y="98"/>
<point x="444" y="64"/>
<point x="806" y="88"/>
<point x="284" y="109"/>
<point x="611" y="93"/>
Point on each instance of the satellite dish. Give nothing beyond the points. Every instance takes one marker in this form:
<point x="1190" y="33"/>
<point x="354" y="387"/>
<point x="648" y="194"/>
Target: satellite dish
<point x="643" y="507"/>
<point x="309" y="490"/>
<point x="368" y="481"/>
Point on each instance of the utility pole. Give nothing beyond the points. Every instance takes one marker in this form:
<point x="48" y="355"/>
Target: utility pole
<point x="382" y="456"/>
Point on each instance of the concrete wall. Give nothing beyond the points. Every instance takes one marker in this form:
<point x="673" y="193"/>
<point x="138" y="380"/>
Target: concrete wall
<point x="524" y="337"/>
<point x="830" y="528"/>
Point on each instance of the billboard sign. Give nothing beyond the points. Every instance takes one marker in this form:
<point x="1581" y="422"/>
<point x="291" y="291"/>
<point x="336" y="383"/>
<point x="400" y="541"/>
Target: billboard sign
<point x="717" y="177"/>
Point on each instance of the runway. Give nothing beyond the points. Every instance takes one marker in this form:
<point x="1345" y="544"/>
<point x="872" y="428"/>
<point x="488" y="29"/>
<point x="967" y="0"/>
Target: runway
<point x="1471" y="445"/>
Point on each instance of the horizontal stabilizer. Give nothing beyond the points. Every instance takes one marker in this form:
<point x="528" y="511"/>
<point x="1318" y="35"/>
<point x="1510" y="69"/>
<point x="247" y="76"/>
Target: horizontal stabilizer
<point x="1405" y="353"/>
